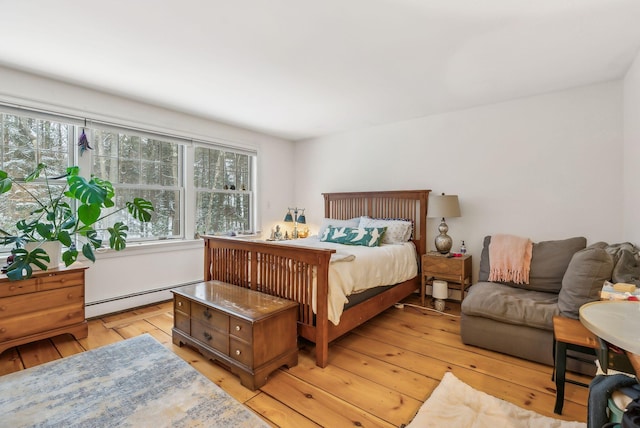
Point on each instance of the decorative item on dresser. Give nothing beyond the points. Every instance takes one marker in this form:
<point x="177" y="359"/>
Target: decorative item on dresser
<point x="250" y="332"/>
<point x="444" y="206"/>
<point x="48" y="304"/>
<point x="301" y="273"/>
<point x="456" y="270"/>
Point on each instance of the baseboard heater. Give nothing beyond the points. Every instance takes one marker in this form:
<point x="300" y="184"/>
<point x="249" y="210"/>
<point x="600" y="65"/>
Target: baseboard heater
<point x="140" y="293"/>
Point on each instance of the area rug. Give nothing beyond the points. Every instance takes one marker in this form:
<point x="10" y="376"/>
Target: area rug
<point x="455" y="404"/>
<point x="133" y="383"/>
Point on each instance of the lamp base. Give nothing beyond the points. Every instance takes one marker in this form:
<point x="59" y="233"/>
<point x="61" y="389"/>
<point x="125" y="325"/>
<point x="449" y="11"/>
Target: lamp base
<point x="439" y="305"/>
<point x="443" y="241"/>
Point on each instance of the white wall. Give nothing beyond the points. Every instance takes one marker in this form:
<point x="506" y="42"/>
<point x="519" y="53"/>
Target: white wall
<point x="140" y="268"/>
<point x="545" y="167"/>
<point x="631" y="208"/>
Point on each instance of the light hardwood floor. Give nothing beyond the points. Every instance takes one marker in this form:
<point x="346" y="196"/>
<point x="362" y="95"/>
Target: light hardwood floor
<point x="378" y="375"/>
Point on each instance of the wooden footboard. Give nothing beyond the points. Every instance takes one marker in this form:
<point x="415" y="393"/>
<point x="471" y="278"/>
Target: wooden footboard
<point x="292" y="271"/>
<point x="278" y="270"/>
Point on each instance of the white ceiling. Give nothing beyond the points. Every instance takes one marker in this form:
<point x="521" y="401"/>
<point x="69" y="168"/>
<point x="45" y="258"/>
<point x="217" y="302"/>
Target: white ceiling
<point x="303" y="68"/>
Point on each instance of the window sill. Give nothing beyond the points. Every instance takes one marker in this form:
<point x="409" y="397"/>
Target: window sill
<point x="162" y="246"/>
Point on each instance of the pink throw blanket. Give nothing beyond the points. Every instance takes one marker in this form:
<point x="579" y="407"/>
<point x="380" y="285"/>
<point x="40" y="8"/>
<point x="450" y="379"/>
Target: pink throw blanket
<point x="510" y="259"/>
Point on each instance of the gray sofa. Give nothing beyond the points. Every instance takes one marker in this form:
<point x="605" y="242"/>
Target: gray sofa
<point x="516" y="319"/>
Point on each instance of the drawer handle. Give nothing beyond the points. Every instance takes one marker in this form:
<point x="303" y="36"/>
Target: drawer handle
<point x="70" y="296"/>
<point x="207" y="336"/>
<point x="3" y="330"/>
<point x="238" y="328"/>
<point x="3" y="308"/>
<point x="179" y="303"/>
<point x="238" y="352"/>
<point x="207" y="314"/>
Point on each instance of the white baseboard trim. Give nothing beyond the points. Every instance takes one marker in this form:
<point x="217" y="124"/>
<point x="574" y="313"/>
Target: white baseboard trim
<point x="129" y="301"/>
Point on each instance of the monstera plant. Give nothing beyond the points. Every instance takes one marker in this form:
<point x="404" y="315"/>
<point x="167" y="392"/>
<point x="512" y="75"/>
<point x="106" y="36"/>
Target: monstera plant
<point x="66" y="214"/>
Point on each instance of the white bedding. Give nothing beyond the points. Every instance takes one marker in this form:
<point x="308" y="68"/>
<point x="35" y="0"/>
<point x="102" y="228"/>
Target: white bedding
<point x="354" y="269"/>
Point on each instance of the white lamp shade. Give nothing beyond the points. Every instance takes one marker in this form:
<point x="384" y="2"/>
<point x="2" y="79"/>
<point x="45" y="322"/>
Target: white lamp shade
<point x="440" y="289"/>
<point x="442" y="206"/>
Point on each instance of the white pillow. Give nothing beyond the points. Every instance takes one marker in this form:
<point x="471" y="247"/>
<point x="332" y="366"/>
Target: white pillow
<point x="326" y="222"/>
<point x="398" y="231"/>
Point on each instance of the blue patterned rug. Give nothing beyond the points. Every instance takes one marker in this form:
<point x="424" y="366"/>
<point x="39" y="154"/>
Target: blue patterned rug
<point x="133" y="383"/>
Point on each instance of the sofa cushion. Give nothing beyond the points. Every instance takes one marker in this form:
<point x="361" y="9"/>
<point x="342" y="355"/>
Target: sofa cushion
<point x="503" y="303"/>
<point x="549" y="261"/>
<point x="583" y="280"/>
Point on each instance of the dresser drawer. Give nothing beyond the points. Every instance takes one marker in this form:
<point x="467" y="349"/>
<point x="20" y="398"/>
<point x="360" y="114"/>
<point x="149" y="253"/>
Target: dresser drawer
<point x="205" y="333"/>
<point x="240" y="328"/>
<point x="20" y="305"/>
<point x="16" y="288"/>
<point x="182" y="322"/>
<point x="59" y="280"/>
<point x="37" y="322"/>
<point x="181" y="304"/>
<point x="210" y="316"/>
<point x="241" y="351"/>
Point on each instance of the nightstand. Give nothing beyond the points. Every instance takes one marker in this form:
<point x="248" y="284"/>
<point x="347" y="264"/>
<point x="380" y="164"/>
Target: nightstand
<point x="455" y="270"/>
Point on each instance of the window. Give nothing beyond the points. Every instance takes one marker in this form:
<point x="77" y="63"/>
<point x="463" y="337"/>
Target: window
<point x="217" y="195"/>
<point x="144" y="167"/>
<point x="223" y="190"/>
<point x="26" y="142"/>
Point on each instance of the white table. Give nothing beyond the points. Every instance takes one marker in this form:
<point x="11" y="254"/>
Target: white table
<point x="617" y="322"/>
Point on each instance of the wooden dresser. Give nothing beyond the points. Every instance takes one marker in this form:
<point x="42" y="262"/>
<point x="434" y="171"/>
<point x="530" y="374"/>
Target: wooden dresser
<point x="48" y="304"/>
<point x="251" y="333"/>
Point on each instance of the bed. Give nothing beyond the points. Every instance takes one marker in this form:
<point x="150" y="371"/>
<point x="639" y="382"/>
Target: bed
<point x="301" y="274"/>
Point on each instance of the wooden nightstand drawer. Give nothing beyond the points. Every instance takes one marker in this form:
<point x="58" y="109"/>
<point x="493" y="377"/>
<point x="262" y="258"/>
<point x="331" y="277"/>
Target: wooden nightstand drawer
<point x="444" y="266"/>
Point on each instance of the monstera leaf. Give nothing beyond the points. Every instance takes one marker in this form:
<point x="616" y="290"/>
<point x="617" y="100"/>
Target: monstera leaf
<point x="118" y="239"/>
<point x="140" y="209"/>
<point x="22" y="261"/>
<point x="67" y="214"/>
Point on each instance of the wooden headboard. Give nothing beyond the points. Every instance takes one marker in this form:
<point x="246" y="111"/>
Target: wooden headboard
<point x="404" y="204"/>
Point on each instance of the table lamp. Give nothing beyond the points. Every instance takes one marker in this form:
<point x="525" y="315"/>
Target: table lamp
<point x="440" y="293"/>
<point x="443" y="206"/>
<point x="295" y="218"/>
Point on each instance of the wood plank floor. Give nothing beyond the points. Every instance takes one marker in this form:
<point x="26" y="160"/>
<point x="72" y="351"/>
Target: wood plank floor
<point x="378" y="375"/>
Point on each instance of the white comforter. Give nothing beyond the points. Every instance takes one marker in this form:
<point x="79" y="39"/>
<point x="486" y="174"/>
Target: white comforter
<point x="355" y="268"/>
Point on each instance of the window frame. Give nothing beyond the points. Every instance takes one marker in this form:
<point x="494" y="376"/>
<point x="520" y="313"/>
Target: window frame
<point x="250" y="192"/>
<point x="186" y="178"/>
<point x="181" y="181"/>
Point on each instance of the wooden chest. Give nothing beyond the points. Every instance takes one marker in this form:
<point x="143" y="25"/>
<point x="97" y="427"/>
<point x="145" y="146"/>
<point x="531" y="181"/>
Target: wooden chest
<point x="48" y="304"/>
<point x="250" y="332"/>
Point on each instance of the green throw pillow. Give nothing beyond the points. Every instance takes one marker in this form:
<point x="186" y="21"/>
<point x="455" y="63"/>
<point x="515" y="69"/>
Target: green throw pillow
<point x="365" y="236"/>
